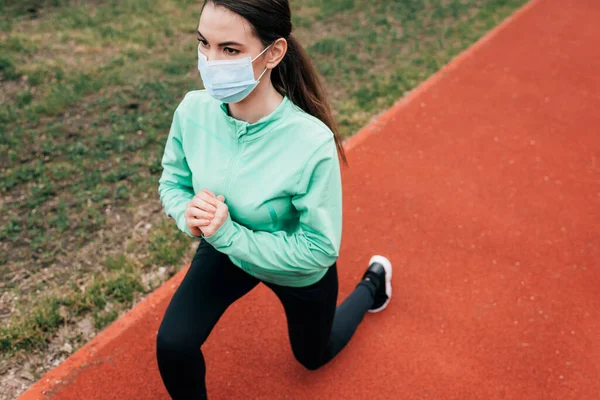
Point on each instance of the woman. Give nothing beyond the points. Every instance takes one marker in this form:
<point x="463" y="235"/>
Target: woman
<point x="251" y="167"/>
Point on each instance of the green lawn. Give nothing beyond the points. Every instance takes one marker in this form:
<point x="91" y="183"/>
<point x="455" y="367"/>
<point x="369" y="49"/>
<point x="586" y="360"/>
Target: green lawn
<point x="88" y="92"/>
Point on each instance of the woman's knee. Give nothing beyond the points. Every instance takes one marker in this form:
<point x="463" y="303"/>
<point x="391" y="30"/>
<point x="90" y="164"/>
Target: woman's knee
<point x="309" y="361"/>
<point x="176" y="342"/>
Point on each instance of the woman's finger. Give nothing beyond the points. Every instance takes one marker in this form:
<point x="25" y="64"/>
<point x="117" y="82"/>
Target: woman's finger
<point x="200" y="222"/>
<point x="198" y="213"/>
<point x="201" y="204"/>
<point x="205" y="190"/>
<point x="202" y="195"/>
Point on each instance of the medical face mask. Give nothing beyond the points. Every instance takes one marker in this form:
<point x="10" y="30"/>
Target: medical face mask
<point x="229" y="81"/>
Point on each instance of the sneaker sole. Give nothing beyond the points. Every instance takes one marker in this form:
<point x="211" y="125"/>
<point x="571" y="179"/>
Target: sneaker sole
<point x="387" y="265"/>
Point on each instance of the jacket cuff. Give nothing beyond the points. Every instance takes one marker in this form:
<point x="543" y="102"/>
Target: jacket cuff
<point x="223" y="236"/>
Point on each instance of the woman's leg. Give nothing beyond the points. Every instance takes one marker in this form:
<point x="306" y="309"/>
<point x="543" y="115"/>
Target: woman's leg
<point x="211" y="284"/>
<point x="318" y="331"/>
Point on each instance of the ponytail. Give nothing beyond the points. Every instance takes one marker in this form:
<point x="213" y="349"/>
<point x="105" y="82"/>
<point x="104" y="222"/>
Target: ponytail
<point x="296" y="77"/>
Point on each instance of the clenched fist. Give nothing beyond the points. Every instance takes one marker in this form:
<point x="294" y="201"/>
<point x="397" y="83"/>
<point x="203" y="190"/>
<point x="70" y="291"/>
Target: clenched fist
<point x="206" y="213"/>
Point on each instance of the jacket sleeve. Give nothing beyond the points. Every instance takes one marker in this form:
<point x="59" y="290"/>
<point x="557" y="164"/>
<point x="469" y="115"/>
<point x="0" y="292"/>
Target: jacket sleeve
<point x="175" y="187"/>
<point x="316" y="243"/>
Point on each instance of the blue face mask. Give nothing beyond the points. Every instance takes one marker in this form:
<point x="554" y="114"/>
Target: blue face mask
<point x="229" y="81"/>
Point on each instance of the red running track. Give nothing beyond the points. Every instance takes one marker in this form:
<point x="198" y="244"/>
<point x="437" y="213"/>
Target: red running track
<point x="483" y="188"/>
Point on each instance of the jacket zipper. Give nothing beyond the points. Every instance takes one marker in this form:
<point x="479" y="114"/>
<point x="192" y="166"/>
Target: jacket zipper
<point x="233" y="167"/>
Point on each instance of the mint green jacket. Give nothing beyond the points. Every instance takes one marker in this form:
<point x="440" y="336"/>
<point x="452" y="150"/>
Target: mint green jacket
<point x="281" y="180"/>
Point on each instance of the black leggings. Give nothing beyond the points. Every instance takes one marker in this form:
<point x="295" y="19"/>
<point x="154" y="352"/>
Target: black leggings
<point x="317" y="330"/>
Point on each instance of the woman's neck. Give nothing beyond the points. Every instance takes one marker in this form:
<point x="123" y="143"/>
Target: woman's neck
<point x="262" y="101"/>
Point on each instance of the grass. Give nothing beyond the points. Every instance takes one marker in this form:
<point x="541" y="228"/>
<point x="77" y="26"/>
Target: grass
<point x="118" y="284"/>
<point x="88" y="93"/>
<point x="104" y="295"/>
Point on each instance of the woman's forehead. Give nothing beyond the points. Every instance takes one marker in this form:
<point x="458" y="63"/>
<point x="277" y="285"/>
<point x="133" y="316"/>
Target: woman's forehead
<point x="218" y="24"/>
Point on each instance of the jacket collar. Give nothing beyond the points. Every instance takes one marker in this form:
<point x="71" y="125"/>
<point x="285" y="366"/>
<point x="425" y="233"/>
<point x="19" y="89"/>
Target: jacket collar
<point x="260" y="127"/>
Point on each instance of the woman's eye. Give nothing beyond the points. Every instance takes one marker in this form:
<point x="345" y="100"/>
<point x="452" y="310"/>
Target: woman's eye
<point x="230" y="51"/>
<point x="203" y="42"/>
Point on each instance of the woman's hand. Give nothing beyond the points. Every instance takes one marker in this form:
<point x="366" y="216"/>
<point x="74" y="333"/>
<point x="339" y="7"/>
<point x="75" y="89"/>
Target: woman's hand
<point x="206" y="213"/>
<point x="200" y="211"/>
<point x="219" y="218"/>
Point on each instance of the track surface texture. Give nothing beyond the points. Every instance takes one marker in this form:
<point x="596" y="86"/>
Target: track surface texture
<point x="482" y="187"/>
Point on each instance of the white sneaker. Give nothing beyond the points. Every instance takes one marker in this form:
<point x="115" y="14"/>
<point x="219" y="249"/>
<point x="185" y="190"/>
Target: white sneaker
<point x="380" y="273"/>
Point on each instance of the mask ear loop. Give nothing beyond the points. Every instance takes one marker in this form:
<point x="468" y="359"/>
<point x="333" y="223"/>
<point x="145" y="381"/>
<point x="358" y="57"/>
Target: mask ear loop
<point x="261" y="53"/>
<point x="258" y="80"/>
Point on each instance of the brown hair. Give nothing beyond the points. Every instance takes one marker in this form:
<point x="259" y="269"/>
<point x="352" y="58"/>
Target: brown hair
<point x="295" y="76"/>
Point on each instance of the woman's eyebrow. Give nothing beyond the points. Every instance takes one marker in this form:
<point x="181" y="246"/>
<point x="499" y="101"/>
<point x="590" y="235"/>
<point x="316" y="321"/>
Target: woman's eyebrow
<point x="224" y="43"/>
